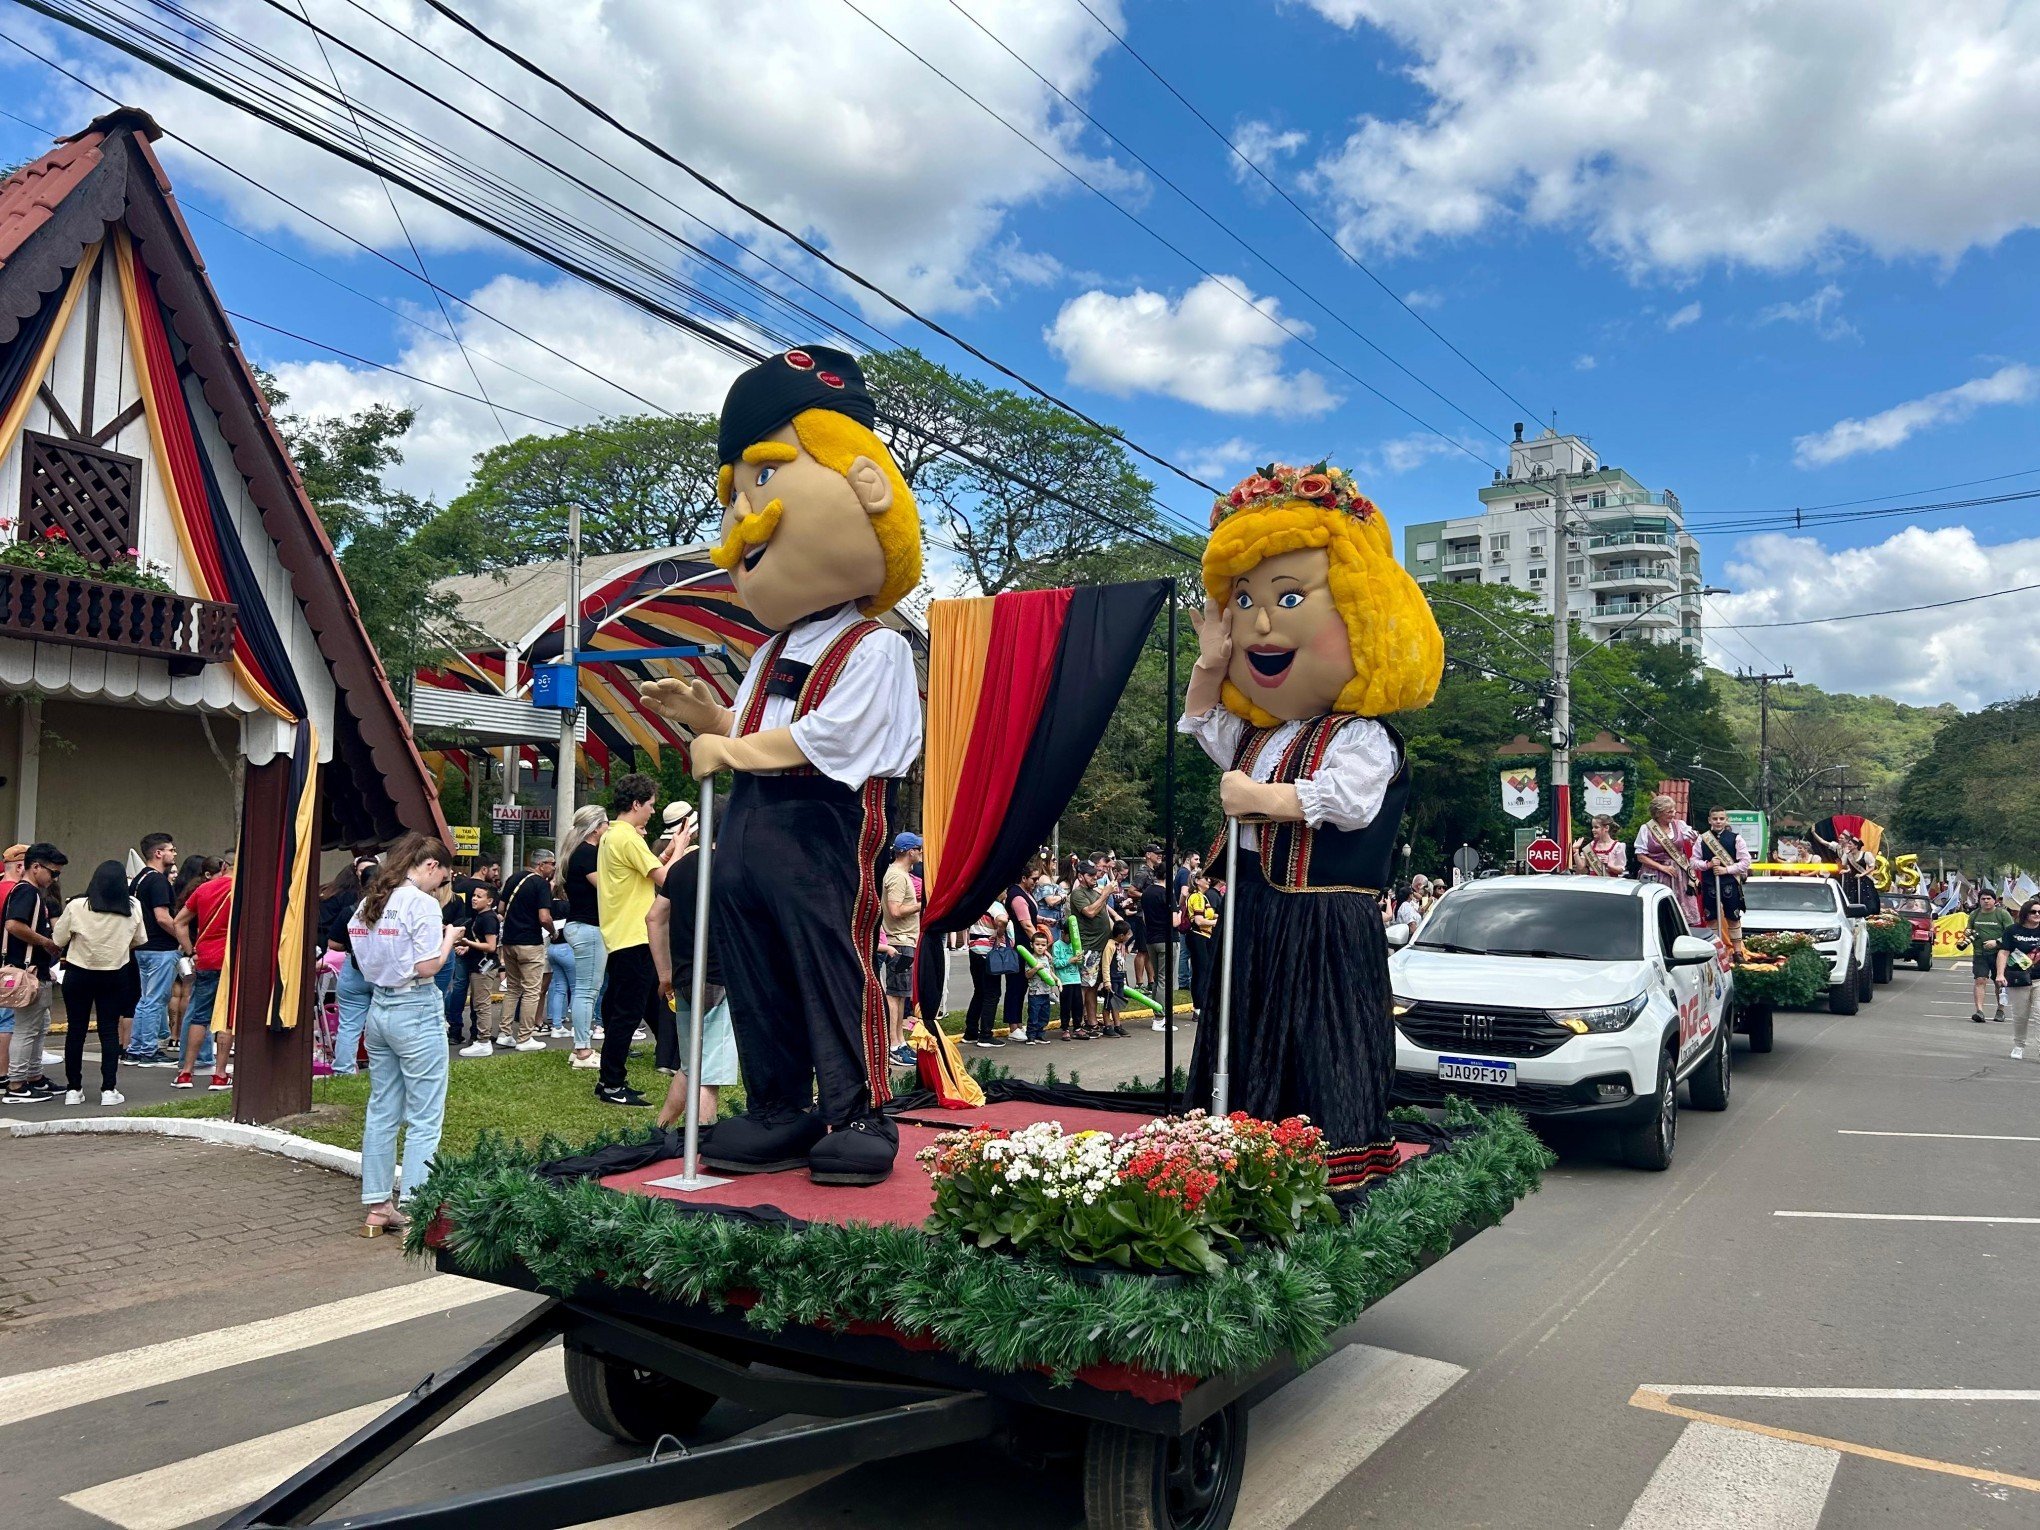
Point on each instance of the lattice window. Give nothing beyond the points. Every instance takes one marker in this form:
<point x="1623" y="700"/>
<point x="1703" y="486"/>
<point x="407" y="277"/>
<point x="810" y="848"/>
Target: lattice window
<point x="83" y="491"/>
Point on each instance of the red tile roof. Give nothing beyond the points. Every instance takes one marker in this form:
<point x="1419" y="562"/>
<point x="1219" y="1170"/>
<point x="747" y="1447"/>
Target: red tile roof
<point x="31" y="194"/>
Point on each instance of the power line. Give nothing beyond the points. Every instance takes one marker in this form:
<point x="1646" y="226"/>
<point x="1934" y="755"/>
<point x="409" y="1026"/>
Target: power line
<point x="1857" y="616"/>
<point x="1303" y="212"/>
<point x="1803" y="520"/>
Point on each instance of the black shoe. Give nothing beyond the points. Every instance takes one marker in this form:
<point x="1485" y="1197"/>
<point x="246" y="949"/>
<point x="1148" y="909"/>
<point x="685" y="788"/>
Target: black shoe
<point x="861" y="1153"/>
<point x="1977" y="1017"/>
<point x="992" y="1043"/>
<point x="621" y="1095"/>
<point x="762" y="1142"/>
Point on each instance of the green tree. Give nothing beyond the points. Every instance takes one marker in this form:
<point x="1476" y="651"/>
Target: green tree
<point x="642" y="481"/>
<point x="1971" y="794"/>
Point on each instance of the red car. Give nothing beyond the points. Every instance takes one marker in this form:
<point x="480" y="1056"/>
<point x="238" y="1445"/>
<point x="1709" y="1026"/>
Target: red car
<point x="1916" y="909"/>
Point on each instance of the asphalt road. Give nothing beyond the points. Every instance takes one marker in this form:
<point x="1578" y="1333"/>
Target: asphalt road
<point x="1849" y="1363"/>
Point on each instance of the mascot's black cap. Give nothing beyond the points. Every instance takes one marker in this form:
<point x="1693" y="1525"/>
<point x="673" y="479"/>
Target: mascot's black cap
<point x="779" y="387"/>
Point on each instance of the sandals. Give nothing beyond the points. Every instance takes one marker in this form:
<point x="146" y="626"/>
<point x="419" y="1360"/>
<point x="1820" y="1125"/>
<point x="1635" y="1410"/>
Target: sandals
<point x="385" y="1218"/>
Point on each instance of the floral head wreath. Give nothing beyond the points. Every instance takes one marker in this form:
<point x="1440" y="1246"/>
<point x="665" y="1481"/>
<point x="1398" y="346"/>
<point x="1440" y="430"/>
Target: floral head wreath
<point x="1321" y="484"/>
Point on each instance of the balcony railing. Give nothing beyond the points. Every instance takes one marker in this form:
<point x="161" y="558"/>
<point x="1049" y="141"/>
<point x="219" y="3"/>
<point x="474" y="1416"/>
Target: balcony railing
<point x="1620" y="539"/>
<point x="1462" y="559"/>
<point x="1649" y="611"/>
<point x="1634" y="574"/>
<point x="41" y="607"/>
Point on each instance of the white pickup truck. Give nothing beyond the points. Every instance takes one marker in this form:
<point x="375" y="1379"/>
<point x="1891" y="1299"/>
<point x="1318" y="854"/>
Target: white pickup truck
<point x="1580" y="997"/>
<point x="1813" y="905"/>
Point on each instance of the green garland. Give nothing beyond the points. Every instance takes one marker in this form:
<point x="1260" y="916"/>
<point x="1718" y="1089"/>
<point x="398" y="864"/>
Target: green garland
<point x="1800" y="982"/>
<point x="1890" y="935"/>
<point x="988" y="1309"/>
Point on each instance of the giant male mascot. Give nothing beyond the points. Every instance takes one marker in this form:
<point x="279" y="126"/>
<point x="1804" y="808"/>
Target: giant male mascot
<point x="819" y="535"/>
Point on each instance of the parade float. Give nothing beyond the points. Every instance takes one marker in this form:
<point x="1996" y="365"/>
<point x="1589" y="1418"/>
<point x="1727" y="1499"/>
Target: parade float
<point x="1108" y="1280"/>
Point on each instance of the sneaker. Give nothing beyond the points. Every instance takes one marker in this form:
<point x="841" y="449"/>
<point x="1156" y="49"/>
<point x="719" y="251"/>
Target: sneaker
<point x="595" y="1035"/>
<point x="995" y="1043"/>
<point x="2018" y="1054"/>
<point x="19" y="1097"/>
<point x="42" y="1089"/>
<point x="2000" y="1013"/>
<point x="506" y="1042"/>
<point x="624" y="1095"/>
<point x="982" y="1045"/>
<point x="669" y="1072"/>
<point x="220" y="1081"/>
<point x="530" y="1044"/>
<point x="479" y="1049"/>
<point x="904" y="1054"/>
<point x="1977" y="1017"/>
<point x="112" y="1097"/>
<point x="74" y="1097"/>
<point x="182" y="1081"/>
<point x="561" y="1032"/>
<point x="590" y="1061"/>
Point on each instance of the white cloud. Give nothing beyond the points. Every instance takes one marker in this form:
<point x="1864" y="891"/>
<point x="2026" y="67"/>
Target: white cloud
<point x="1424" y="297"/>
<point x="1264" y="144"/>
<point x="1922" y="657"/>
<point x="892" y="170"/>
<point x="1584" y="363"/>
<point x="1820" y="311"/>
<point x="2014" y="384"/>
<point x="1687" y="131"/>
<point x="1690" y="314"/>
<point x="1403" y="453"/>
<point x="1224" y="463"/>
<point x="603" y="334"/>
<point x="1217" y="346"/>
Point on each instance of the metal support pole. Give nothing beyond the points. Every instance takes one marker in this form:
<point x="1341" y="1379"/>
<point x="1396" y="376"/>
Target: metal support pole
<point x="1561" y="678"/>
<point x="570" y="643"/>
<point x="1221" y="1081"/>
<point x="1168" y="984"/>
<point x="691" y="1177"/>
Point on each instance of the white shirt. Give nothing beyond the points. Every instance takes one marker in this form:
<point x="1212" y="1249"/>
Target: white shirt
<point x="1348" y="787"/>
<point x="408" y="933"/>
<point x="870" y="722"/>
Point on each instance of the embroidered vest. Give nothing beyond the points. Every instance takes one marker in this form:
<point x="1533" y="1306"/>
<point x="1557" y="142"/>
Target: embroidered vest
<point x="1296" y="857"/>
<point x="806" y="684"/>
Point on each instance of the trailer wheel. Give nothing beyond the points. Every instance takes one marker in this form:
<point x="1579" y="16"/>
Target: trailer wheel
<point x="1881" y="967"/>
<point x="1757" y="1025"/>
<point x="630" y="1404"/>
<point x="1139" y="1481"/>
<point x="1866" y="989"/>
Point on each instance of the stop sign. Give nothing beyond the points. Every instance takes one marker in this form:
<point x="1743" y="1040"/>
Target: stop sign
<point x="1543" y="855"/>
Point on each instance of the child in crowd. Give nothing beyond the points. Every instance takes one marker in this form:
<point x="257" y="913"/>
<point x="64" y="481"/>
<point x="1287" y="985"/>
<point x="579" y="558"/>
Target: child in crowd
<point x="1112" y="979"/>
<point x="476" y="952"/>
<point x="1041" y="982"/>
<point x="1069" y="974"/>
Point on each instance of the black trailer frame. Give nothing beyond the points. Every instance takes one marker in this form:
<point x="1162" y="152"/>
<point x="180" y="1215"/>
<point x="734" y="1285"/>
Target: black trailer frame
<point x="1175" y="1462"/>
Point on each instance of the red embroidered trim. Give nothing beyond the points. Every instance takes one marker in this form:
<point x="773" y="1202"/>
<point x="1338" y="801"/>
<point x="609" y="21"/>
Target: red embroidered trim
<point x="754" y="709"/>
<point x="864" y="934"/>
<point x="1351" y="1167"/>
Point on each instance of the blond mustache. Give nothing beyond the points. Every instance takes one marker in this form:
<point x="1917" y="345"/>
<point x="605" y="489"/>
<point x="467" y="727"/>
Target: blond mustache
<point x="746" y="534"/>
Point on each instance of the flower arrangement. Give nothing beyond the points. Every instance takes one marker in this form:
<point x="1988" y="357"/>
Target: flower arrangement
<point x="1780" y="969"/>
<point x="1176" y="1194"/>
<point x="1321" y="484"/>
<point x="52" y="553"/>
<point x="1890" y="935"/>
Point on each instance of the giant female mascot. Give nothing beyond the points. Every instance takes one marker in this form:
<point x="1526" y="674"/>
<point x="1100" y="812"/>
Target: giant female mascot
<point x="1312" y="631"/>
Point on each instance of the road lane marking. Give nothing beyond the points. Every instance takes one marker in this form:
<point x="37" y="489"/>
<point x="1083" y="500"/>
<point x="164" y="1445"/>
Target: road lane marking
<point x="34" y="1393"/>
<point x="1900" y="1216"/>
<point x="1315" y="1432"/>
<point x="1860" y="1394"/>
<point x="1940" y="1136"/>
<point x="1657" y="1399"/>
<point x="221" y="1481"/>
<point x="1728" y="1479"/>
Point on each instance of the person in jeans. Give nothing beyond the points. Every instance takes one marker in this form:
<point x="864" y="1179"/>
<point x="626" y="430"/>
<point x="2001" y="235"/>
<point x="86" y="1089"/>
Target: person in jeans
<point x="1026" y="915"/>
<point x="2018" y="950"/>
<point x="1987" y="926"/>
<point x="27" y="943"/>
<point x="1041" y="984"/>
<point x="527" y="924"/>
<point x="350" y="989"/>
<point x="98" y="932"/>
<point x="987" y="932"/>
<point x="159" y="956"/>
<point x="400" y="943"/>
<point x="208" y="908"/>
<point x="628" y="875"/>
<point x="11" y="862"/>
<point x="559" y="968"/>
<point x="574" y="880"/>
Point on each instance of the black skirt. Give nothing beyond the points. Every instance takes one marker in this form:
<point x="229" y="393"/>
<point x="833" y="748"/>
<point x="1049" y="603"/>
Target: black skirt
<point x="1312" y="1033"/>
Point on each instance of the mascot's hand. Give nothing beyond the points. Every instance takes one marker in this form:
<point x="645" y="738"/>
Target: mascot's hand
<point x="708" y="754"/>
<point x="691" y="703"/>
<point x="1214" y="636"/>
<point x="1240" y="795"/>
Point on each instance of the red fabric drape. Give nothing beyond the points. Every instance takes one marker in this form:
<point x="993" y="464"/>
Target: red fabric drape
<point x="1027" y="628"/>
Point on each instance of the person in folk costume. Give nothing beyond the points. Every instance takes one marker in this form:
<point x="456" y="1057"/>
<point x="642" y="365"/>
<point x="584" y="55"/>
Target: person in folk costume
<point x="1664" y="851"/>
<point x="1858" y="874"/>
<point x="1599" y="853"/>
<point x="819" y="535"/>
<point x="1723" y="861"/>
<point x="1311" y="632"/>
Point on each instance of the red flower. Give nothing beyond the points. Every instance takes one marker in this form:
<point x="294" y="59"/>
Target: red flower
<point x="56" y="534"/>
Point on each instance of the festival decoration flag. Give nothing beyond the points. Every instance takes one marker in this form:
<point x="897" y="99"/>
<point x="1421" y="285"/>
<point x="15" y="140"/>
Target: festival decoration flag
<point x="1604" y="788"/>
<point x="1020" y="688"/>
<point x="1520" y="793"/>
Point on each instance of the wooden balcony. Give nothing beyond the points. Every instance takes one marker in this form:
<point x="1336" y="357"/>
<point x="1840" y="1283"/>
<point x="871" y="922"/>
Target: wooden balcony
<point x="40" y="607"/>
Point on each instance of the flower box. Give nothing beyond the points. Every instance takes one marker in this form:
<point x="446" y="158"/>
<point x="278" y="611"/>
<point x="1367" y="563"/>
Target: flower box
<point x="41" y="605"/>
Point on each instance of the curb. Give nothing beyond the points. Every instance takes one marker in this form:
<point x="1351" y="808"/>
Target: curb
<point x="264" y="1139"/>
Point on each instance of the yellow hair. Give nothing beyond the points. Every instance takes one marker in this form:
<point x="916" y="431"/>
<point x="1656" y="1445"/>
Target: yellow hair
<point x="1398" y="652"/>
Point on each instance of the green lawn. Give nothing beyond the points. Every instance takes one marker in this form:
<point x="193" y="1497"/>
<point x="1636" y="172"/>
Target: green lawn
<point x="522" y="1095"/>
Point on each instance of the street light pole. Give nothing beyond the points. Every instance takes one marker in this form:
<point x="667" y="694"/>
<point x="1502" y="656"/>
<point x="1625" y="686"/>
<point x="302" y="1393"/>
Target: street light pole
<point x="570" y="643"/>
<point x="1561" y="677"/>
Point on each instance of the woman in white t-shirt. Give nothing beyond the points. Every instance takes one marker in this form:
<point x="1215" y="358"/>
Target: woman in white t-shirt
<point x="399" y="943"/>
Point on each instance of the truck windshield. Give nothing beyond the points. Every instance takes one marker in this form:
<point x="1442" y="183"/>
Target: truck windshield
<point x="1790" y="897"/>
<point x="1555" y="922"/>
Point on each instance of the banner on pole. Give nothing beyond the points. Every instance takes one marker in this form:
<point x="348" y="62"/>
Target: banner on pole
<point x="1521" y="796"/>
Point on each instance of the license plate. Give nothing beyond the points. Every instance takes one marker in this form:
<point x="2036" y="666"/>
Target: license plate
<point x="1474" y="1070"/>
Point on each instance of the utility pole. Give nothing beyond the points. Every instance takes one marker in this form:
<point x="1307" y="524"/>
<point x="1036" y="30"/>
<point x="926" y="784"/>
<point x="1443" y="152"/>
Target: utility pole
<point x="570" y="643"/>
<point x="1764" y="732"/>
<point x="1561" y="677"/>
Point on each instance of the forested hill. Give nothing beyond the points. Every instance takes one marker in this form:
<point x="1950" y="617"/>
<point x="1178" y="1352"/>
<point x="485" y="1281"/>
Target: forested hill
<point x="1815" y="732"/>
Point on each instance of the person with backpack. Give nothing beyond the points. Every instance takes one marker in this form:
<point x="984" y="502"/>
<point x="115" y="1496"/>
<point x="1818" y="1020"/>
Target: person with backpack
<point x="527" y="924"/>
<point x="98" y="931"/>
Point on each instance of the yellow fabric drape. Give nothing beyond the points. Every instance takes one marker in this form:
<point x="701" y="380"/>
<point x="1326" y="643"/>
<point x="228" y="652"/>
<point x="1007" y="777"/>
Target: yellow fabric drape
<point x="959" y="641"/>
<point x="17" y="410"/>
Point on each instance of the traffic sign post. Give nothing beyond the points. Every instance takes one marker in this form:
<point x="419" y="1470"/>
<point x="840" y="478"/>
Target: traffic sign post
<point x="1544" y="855"/>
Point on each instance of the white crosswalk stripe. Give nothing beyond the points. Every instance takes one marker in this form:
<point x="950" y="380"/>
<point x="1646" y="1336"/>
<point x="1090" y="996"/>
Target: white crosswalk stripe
<point x="1730" y="1479"/>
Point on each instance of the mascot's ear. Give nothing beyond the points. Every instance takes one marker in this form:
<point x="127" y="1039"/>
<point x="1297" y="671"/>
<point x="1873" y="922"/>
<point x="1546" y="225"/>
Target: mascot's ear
<point x="873" y="489"/>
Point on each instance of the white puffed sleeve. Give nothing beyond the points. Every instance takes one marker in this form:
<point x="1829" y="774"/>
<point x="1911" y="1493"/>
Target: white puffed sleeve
<point x="1217" y="732"/>
<point x="869" y="724"/>
<point x="1348" y="788"/>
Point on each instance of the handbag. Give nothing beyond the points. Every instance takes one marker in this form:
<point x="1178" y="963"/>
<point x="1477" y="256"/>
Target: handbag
<point x="1002" y="960"/>
<point x="18" y="987"/>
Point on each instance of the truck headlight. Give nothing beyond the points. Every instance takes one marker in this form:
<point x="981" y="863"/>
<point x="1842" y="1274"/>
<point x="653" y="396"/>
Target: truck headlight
<point x="1832" y="932"/>
<point x="1399" y="1006"/>
<point x="1603" y="1017"/>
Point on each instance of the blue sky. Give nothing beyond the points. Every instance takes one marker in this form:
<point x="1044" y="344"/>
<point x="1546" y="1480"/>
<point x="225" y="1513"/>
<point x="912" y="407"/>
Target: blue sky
<point x="1764" y="260"/>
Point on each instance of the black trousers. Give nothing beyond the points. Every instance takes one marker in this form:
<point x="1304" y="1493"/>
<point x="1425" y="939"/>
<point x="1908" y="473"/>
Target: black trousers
<point x="796" y="921"/>
<point x="1201" y="997"/>
<point x="983" y="1013"/>
<point x="87" y="993"/>
<point x="632" y="998"/>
